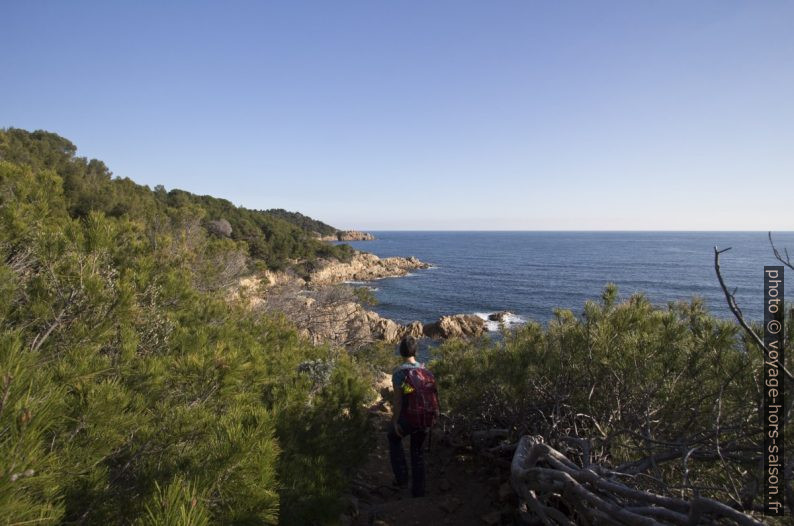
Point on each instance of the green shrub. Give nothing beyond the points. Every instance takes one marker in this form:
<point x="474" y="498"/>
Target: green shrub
<point x="130" y="390"/>
<point x="639" y="382"/>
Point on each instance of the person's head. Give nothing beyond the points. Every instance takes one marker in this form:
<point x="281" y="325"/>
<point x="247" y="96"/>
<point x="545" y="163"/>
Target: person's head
<point x="408" y="347"/>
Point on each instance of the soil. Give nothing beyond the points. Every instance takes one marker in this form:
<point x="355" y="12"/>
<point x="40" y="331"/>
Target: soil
<point x="462" y="488"/>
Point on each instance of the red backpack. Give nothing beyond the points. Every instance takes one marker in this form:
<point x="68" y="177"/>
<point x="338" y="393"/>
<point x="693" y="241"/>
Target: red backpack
<point x="420" y="406"/>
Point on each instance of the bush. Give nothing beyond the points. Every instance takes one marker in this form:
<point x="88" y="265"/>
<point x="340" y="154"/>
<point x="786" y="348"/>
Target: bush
<point x="645" y="385"/>
<point x="130" y="390"/>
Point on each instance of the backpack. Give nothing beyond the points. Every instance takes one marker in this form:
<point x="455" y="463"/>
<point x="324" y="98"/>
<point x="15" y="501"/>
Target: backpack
<point x="420" y="405"/>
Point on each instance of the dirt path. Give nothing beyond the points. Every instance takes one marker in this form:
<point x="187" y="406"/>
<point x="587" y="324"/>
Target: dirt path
<point x="462" y="489"/>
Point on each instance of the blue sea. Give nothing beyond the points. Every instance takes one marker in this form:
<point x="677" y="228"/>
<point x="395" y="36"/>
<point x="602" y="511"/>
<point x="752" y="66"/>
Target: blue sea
<point x="532" y="273"/>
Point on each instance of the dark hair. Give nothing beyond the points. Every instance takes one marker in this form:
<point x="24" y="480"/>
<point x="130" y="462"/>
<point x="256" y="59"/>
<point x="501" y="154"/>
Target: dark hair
<point x="408" y="346"/>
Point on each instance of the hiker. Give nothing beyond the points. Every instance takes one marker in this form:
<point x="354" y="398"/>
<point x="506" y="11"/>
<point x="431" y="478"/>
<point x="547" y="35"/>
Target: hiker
<point x="415" y="410"/>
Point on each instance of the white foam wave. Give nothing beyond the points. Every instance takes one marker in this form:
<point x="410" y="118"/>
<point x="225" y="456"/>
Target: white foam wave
<point x="510" y="320"/>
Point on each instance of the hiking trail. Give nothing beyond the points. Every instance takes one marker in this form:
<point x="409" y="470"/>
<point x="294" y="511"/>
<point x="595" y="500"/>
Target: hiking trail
<point x="461" y="487"/>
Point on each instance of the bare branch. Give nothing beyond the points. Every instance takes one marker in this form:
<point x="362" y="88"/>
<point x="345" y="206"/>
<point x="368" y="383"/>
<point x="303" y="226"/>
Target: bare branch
<point x="737" y="312"/>
<point x="787" y="260"/>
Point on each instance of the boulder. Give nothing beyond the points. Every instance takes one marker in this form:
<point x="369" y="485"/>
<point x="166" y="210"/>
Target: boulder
<point x="414" y="329"/>
<point x="385" y="329"/>
<point x="500" y="316"/>
<point x="457" y="326"/>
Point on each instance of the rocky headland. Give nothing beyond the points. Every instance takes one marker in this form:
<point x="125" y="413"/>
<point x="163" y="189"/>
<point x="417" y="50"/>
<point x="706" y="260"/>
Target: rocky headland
<point x="354" y="235"/>
<point x="347" y="235"/>
<point x="363" y="267"/>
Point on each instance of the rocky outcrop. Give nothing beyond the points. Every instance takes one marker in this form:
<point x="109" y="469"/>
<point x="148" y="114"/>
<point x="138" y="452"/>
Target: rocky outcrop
<point x="383" y="329"/>
<point x="457" y="326"/>
<point x="343" y="324"/>
<point x="415" y="329"/>
<point x="351" y="325"/>
<point x="354" y="235"/>
<point x="347" y="324"/>
<point x="327" y="314"/>
<point x="363" y="267"/>
<point x="251" y="289"/>
<point x="501" y="316"/>
<point x="346" y="235"/>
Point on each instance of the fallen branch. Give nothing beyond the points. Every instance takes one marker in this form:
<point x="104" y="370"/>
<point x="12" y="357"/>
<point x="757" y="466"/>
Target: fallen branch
<point x="560" y="485"/>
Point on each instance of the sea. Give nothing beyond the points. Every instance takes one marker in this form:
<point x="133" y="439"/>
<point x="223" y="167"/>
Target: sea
<point x="530" y="274"/>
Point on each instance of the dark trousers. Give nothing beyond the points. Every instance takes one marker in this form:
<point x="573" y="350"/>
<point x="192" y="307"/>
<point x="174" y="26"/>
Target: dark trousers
<point x="397" y="456"/>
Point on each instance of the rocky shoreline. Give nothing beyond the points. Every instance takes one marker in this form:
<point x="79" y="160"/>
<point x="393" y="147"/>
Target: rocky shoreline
<point x="326" y="313"/>
<point x="363" y="267"/>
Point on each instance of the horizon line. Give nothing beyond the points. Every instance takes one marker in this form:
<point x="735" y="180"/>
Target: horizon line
<point x="569" y="230"/>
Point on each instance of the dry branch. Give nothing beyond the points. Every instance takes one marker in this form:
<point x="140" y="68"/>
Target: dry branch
<point x="787" y="260"/>
<point x="737" y="312"/>
<point x="557" y="491"/>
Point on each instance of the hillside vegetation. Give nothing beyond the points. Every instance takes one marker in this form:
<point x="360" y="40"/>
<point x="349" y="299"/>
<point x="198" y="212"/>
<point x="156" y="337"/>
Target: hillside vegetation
<point x="131" y="392"/>
<point x="274" y="238"/>
<point x="305" y="222"/>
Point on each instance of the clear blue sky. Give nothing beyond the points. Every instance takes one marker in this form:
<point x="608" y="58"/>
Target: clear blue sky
<point x="426" y="114"/>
